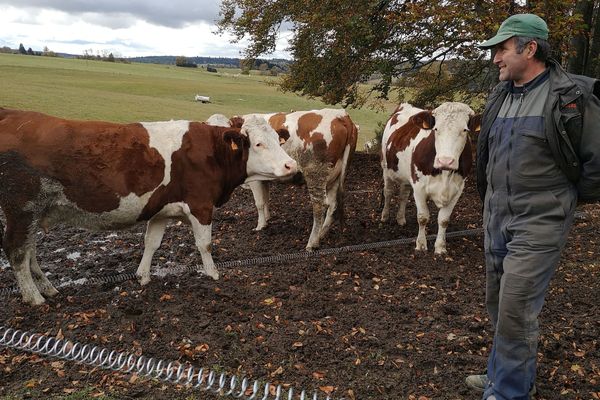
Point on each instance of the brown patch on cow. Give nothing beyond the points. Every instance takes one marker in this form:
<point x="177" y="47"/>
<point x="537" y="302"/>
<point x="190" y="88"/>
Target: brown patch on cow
<point x="423" y="157"/>
<point x="284" y="135"/>
<point x="465" y="162"/>
<point x="308" y="123"/>
<point x="97" y="163"/>
<point x="20" y="185"/>
<point x="277" y="121"/>
<point x="399" y="141"/>
<point x="424" y="154"/>
<point x="423" y="119"/>
<point x="394" y="117"/>
<point x="204" y="171"/>
<point x="236" y="121"/>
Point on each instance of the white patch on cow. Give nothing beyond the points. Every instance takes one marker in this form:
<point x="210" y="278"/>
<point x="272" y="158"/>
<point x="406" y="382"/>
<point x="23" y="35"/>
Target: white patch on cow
<point x="219" y="120"/>
<point x="4" y="263"/>
<point x="166" y="137"/>
<point x="65" y="211"/>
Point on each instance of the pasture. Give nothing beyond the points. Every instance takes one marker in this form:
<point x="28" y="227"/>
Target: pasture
<point x="97" y="90"/>
<point x="368" y="323"/>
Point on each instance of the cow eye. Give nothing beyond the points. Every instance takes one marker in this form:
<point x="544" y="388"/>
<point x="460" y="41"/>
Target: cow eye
<point x="259" y="144"/>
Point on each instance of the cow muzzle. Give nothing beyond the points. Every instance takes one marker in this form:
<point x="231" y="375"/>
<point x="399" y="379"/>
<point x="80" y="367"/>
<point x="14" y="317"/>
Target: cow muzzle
<point x="290" y="168"/>
<point x="445" y="163"/>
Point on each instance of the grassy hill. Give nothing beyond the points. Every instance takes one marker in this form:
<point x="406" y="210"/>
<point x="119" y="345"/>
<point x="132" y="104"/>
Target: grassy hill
<point x="97" y="90"/>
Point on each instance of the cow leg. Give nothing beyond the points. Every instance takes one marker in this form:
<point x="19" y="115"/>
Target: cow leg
<point x="443" y="220"/>
<point x="331" y="202"/>
<point x="17" y="244"/>
<point x="318" y="192"/>
<point x="202" y="236"/>
<point x="404" y="193"/>
<point x="39" y="278"/>
<point x="388" y="193"/>
<point x="422" y="219"/>
<point x="152" y="239"/>
<point x="260" y="192"/>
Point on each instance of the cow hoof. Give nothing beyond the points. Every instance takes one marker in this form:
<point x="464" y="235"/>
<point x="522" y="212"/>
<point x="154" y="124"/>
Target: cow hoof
<point x="440" y="251"/>
<point x="143" y="279"/>
<point x="401" y="222"/>
<point x="421" y="248"/>
<point x="34" y="300"/>
<point x="50" y="291"/>
<point x="260" y="228"/>
<point x="213" y="274"/>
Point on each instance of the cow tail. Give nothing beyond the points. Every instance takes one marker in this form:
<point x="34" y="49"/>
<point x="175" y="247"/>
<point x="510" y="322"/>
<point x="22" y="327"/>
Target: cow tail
<point x="352" y="130"/>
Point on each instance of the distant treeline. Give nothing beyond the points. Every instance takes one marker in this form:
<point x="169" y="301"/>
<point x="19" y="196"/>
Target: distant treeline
<point x="221" y="62"/>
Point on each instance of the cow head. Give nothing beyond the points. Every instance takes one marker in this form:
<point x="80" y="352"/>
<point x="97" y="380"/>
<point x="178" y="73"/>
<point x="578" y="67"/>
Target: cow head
<point x="452" y="123"/>
<point x="266" y="159"/>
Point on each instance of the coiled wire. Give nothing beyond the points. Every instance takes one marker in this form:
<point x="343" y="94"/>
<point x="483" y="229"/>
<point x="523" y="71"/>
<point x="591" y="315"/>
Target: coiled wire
<point x="276" y="258"/>
<point x="168" y="371"/>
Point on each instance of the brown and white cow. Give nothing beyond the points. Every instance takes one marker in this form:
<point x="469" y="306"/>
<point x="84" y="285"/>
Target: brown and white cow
<point x="101" y="175"/>
<point x="322" y="142"/>
<point x="430" y="151"/>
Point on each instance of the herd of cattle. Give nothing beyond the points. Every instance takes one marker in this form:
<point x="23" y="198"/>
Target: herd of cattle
<point x="104" y="176"/>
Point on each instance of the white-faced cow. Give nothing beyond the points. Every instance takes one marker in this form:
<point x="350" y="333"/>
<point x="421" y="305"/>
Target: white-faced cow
<point x="430" y="151"/>
<point x="322" y="142"/>
<point x="101" y="175"/>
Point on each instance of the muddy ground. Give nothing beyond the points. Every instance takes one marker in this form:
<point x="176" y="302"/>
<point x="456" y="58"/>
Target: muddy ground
<point x="372" y="324"/>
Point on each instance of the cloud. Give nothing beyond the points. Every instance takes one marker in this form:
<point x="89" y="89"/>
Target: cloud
<point x="130" y="28"/>
<point x="169" y="13"/>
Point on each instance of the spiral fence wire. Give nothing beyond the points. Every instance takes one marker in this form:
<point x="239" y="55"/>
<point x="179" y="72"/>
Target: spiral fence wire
<point x="168" y="371"/>
<point x="276" y="258"/>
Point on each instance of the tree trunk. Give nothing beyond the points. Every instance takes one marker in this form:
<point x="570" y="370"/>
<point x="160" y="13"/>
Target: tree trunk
<point x="580" y="42"/>
<point x="593" y="65"/>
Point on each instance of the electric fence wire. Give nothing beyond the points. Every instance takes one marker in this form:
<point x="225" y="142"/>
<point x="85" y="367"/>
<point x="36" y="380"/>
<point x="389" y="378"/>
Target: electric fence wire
<point x="266" y="260"/>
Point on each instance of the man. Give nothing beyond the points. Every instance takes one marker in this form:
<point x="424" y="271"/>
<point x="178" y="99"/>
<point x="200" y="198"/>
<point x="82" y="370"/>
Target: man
<point x="538" y="153"/>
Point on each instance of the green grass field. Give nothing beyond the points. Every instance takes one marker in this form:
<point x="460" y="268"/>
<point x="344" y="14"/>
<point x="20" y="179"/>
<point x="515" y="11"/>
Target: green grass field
<point x="97" y="90"/>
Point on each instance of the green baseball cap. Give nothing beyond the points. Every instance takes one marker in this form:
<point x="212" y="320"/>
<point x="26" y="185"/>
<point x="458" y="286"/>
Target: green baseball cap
<point x="528" y="25"/>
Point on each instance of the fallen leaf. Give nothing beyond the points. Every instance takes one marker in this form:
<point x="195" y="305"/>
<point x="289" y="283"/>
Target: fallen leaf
<point x="318" y="375"/>
<point x="327" y="389"/>
<point x="165" y="297"/>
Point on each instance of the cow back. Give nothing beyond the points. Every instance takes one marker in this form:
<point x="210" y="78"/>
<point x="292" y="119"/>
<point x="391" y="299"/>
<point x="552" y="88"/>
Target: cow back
<point x="96" y="163"/>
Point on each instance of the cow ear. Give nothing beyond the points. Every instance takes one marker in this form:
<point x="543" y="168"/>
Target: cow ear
<point x="474" y="124"/>
<point x="235" y="139"/>
<point x="284" y="135"/>
<point x="424" y="120"/>
<point x="236" y="121"/>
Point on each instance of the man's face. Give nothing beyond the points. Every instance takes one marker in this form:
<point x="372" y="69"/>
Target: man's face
<point x="513" y="66"/>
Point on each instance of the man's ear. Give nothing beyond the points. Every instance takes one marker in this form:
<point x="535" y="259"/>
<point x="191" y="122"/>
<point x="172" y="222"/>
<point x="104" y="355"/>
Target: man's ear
<point x="284" y="135"/>
<point x="235" y="140"/>
<point x="424" y="120"/>
<point x="532" y="48"/>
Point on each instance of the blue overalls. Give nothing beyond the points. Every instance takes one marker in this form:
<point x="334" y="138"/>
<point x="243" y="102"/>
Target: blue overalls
<point x="528" y="211"/>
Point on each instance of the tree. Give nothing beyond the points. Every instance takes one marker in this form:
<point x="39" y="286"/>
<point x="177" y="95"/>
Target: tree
<point x="339" y="44"/>
<point x="22" y="49"/>
<point x="181" y="61"/>
<point x="30" y="51"/>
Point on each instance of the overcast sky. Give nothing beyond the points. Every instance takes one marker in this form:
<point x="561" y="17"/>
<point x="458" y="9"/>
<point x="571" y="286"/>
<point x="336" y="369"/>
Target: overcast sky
<point x="127" y="28"/>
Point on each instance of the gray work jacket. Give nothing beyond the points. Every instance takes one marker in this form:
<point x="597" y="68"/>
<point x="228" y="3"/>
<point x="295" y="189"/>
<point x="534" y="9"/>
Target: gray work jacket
<point x="572" y="120"/>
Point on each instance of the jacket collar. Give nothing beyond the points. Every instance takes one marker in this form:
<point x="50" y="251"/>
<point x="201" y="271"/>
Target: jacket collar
<point x="561" y="84"/>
